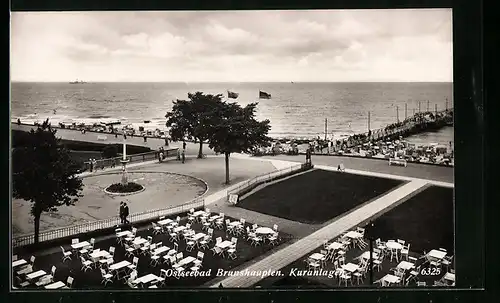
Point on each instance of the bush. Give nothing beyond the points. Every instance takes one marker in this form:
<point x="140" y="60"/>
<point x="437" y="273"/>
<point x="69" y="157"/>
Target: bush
<point x="127" y="188"/>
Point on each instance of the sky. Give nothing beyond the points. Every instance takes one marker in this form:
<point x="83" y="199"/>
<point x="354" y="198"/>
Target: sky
<point x="233" y="46"/>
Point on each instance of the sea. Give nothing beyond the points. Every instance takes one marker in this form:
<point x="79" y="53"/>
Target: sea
<point x="298" y="110"/>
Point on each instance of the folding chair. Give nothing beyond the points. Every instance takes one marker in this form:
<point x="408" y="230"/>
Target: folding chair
<point x="106" y="277"/>
<point x="231" y="253"/>
<point x="66" y="254"/>
<point x="86" y="264"/>
<point x="405" y="251"/>
<point x="69" y="282"/>
<point x="133" y="266"/>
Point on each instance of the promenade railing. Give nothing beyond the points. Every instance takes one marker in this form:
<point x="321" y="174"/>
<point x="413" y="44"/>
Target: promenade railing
<point x="62" y="232"/>
<point x="263" y="178"/>
<point x="142" y="157"/>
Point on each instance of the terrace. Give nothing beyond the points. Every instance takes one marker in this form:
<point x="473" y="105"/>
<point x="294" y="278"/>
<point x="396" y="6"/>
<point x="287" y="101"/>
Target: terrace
<point x="171" y="252"/>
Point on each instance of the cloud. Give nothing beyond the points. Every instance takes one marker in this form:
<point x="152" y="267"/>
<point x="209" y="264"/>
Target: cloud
<point x="360" y="45"/>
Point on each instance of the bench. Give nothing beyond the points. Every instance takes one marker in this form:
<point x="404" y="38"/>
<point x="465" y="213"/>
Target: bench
<point x="102" y="138"/>
<point x="397" y="161"/>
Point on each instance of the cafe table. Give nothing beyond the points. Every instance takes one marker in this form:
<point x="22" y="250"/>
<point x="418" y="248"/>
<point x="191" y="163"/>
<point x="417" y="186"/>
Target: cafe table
<point x="55" y="285"/>
<point x="317" y="256"/>
<point x="36" y="274"/>
<point x="18" y="263"/>
<point x="351" y="267"/>
<point x="405" y="265"/>
<point x="224" y="244"/>
<point x="80" y="245"/>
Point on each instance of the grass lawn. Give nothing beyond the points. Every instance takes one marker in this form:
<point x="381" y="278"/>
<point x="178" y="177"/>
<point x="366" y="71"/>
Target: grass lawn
<point x="316" y="196"/>
<point x="92" y="278"/>
<point x="425" y="221"/>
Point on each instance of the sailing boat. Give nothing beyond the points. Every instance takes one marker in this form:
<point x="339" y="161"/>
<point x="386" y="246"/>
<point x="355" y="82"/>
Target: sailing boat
<point x="232" y="95"/>
<point x="264" y="95"/>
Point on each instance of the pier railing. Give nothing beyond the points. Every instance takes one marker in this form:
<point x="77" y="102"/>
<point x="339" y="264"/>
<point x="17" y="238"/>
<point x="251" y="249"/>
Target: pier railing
<point x="73" y="230"/>
<point x="142" y="157"/>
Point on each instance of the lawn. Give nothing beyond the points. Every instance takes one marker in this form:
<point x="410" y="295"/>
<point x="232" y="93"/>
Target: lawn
<point x="425" y="220"/>
<point x="317" y="196"/>
<point x="92" y="278"/>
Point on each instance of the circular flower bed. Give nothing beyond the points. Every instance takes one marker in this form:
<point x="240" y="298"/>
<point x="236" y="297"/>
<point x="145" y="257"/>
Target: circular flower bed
<point x="119" y="188"/>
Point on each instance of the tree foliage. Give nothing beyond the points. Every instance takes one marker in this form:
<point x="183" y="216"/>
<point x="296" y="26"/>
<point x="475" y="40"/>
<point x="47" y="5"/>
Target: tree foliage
<point x="44" y="173"/>
<point x="193" y="118"/>
<point x="237" y="130"/>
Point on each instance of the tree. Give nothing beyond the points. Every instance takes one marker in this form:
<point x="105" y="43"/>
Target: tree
<point x="193" y="118"/>
<point x="237" y="130"/>
<point x="44" y="173"/>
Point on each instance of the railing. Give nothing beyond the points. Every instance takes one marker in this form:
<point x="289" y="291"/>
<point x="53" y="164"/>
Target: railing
<point x="263" y="178"/>
<point x="142" y="157"/>
<point x="106" y="223"/>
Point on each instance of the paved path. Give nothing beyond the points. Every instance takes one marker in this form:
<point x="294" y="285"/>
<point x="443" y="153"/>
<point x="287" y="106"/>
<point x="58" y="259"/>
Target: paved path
<point x="304" y="246"/>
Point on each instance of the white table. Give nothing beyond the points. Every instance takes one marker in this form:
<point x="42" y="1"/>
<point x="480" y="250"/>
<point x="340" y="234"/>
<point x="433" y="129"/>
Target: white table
<point x="213" y="218"/>
<point x="334" y="246"/>
<point x="404" y="265"/>
<point x="186" y="260"/>
<point x="18" y="263"/>
<point x="119" y="265"/>
<point x="436" y="254"/>
<point x="146" y="279"/>
<point x="198" y="236"/>
<point x="161" y="250"/>
<point x="353" y="235"/>
<point x="264" y="231"/>
<point x="394" y="245"/>
<point x="80" y="245"/>
<point x="55" y="285"/>
<point x="235" y="223"/>
<point x="351" y="267"/>
<point x="390" y="279"/>
<point x="179" y="228"/>
<point x="99" y="254"/>
<point x="224" y="244"/>
<point x="36" y="274"/>
<point x="124" y="233"/>
<point x="165" y="221"/>
<point x="317" y="256"/>
<point x="366" y="255"/>
<point x="139" y="241"/>
<point x="198" y="213"/>
<point x="449" y="276"/>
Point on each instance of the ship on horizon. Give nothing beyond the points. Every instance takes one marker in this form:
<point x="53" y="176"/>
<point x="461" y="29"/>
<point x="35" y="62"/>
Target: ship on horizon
<point x="77" y="82"/>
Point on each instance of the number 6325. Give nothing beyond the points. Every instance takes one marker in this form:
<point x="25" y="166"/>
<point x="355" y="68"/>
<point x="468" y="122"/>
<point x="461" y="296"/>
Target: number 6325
<point x="430" y="271"/>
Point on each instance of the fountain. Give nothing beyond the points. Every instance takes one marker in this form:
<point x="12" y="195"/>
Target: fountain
<point x="124" y="187"/>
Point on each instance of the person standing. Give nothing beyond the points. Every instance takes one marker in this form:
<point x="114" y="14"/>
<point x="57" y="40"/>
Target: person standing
<point x="122" y="211"/>
<point x="166" y="141"/>
<point x="184" y="145"/>
<point x="145" y="138"/>
<point x="125" y="213"/>
<point x="91" y="163"/>
<point x="308" y="155"/>
<point x="183" y="155"/>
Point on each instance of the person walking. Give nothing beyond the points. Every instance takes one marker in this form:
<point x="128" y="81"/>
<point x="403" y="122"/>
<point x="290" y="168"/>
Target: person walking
<point x="91" y="163"/>
<point x="184" y="145"/>
<point x="125" y="213"/>
<point x="166" y="141"/>
<point x="183" y="155"/>
<point x="122" y="211"/>
<point x="145" y="138"/>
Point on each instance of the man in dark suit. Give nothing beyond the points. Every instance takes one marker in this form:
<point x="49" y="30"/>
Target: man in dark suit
<point x="122" y="210"/>
<point x="125" y="213"/>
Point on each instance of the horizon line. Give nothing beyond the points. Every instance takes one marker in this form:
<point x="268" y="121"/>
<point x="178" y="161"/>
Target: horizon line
<point x="187" y="82"/>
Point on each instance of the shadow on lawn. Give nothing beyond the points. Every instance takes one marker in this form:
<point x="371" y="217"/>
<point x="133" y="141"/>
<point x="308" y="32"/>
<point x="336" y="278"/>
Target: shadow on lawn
<point x="317" y="196"/>
<point x="92" y="278"/>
